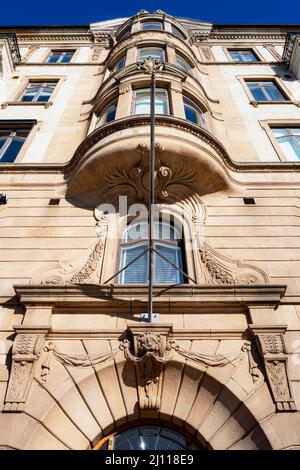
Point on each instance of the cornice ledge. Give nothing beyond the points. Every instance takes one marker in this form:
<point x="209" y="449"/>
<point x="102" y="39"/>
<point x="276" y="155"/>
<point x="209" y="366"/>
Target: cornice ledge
<point x="56" y="37"/>
<point x="125" y="295"/>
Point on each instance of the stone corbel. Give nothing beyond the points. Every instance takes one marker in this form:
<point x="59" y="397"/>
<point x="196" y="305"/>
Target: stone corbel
<point x="28" y="344"/>
<point x="271" y="346"/>
<point x="151" y="352"/>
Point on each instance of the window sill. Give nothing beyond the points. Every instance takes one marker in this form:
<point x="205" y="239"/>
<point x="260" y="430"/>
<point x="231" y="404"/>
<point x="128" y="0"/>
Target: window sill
<point x="46" y="104"/>
<point x="256" y="103"/>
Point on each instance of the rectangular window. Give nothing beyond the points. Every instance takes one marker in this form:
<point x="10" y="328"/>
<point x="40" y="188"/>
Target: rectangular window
<point x="60" y="57"/>
<point x="12" y="137"/>
<point x="242" y="55"/>
<point x="142" y="101"/>
<point x="265" y="91"/>
<point x="148" y="25"/>
<point x="153" y="52"/>
<point x="38" y="91"/>
<point x="288" y="140"/>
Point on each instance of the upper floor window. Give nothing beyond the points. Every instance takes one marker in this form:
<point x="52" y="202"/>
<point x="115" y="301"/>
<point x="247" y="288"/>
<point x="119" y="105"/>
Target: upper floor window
<point x="242" y="55"/>
<point x="38" y="91"/>
<point x="60" y="56"/>
<point x="146" y="25"/>
<point x="134" y="250"/>
<point x="289" y="142"/>
<point x="108" y="114"/>
<point x="153" y="52"/>
<point x="177" y="33"/>
<point x="182" y="63"/>
<point x="142" y="101"/>
<point x="120" y="64"/>
<point x="265" y="91"/>
<point x="193" y="113"/>
<point x="12" y="138"/>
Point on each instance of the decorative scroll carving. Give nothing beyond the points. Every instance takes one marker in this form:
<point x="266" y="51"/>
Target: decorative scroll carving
<point x="149" y="359"/>
<point x="29" y="52"/>
<point x="103" y="38"/>
<point x="134" y="181"/>
<point x="73" y="360"/>
<point x="125" y="88"/>
<point x="272" y="348"/>
<point x="86" y="269"/>
<point x="219" y="269"/>
<point x="26" y="350"/>
<point x="274" y="52"/>
<point x="253" y="368"/>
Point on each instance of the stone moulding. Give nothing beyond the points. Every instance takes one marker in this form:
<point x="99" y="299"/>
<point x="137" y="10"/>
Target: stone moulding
<point x="271" y="345"/>
<point x="121" y="298"/>
<point x="143" y="120"/>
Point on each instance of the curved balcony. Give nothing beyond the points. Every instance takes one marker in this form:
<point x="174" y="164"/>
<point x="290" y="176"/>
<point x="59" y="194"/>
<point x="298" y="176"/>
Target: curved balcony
<point x="113" y="161"/>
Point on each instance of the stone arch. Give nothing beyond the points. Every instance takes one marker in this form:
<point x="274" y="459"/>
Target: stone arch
<point x="220" y="406"/>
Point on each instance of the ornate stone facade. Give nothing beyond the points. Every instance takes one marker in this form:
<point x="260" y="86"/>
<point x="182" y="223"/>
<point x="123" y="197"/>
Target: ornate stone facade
<point x="78" y="359"/>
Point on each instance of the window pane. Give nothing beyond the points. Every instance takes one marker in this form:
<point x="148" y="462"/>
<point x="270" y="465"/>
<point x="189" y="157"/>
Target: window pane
<point x="53" y="58"/>
<point x="290" y="148"/>
<point x="120" y="64"/>
<point x="142" y="101"/>
<point x="182" y="63"/>
<point x="177" y="33"/>
<point x="153" y="25"/>
<point x="137" y="272"/>
<point x="265" y="91"/>
<point x="164" y="272"/>
<point x="154" y="52"/>
<point x="243" y="56"/>
<point x="11" y="152"/>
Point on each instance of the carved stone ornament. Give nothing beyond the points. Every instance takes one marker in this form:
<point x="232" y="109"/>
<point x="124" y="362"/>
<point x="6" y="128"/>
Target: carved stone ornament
<point x="84" y="270"/>
<point x="217" y="268"/>
<point x="150" y="355"/>
<point x="150" y="65"/>
<point x="273" y="351"/>
<point x="26" y="350"/>
<point x="72" y="360"/>
<point x="206" y="51"/>
<point x="134" y="182"/>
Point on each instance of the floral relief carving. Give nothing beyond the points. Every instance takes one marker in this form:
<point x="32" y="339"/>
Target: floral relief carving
<point x="273" y="352"/>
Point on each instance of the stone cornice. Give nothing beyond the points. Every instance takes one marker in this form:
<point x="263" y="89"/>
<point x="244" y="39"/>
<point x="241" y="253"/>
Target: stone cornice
<point x="51" y="37"/>
<point x="199" y="37"/>
<point x="124" y="298"/>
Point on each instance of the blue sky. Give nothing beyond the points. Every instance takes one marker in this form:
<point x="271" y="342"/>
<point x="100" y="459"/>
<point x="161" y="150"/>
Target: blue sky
<point x="68" y="12"/>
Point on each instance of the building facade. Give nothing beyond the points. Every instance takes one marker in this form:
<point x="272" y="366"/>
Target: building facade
<point x="81" y="366"/>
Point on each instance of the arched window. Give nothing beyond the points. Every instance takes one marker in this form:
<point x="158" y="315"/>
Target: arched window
<point x="142" y="101"/>
<point x="108" y="114"/>
<point x="167" y="242"/>
<point x="193" y="113"/>
<point x="147" y="437"/>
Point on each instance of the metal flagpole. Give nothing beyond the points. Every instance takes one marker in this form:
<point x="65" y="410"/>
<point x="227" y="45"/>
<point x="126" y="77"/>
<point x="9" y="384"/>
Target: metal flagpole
<point x="151" y="265"/>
